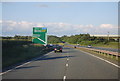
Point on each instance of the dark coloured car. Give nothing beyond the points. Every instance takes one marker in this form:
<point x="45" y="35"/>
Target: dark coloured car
<point x="74" y="46"/>
<point x="58" y="49"/>
<point x="48" y="46"/>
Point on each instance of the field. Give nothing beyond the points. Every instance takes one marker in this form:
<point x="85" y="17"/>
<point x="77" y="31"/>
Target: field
<point x="15" y="51"/>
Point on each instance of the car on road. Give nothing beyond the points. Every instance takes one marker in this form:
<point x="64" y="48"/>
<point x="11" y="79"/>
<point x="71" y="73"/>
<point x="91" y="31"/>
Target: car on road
<point x="58" y="49"/>
<point x="74" y="46"/>
<point x="48" y="46"/>
<point x="89" y="46"/>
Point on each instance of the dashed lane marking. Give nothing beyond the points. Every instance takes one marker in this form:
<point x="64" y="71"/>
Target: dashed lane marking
<point x="64" y="78"/>
<point x="66" y="65"/>
<point x="67" y="58"/>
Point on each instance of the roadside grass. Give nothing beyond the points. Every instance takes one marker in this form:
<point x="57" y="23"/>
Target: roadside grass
<point x="111" y="57"/>
<point x="113" y="45"/>
<point x="14" y="52"/>
<point x="61" y="43"/>
<point x="108" y="57"/>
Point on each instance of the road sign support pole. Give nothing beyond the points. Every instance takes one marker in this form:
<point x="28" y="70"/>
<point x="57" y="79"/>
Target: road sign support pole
<point x="46" y="38"/>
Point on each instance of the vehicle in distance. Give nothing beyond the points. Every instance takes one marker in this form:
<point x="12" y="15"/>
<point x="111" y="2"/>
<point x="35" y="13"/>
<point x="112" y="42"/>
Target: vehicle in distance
<point x="58" y="49"/>
<point x="89" y="46"/>
<point x="48" y="46"/>
<point x="74" y="46"/>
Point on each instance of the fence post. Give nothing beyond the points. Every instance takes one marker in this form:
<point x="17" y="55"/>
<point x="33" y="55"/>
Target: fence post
<point x="108" y="55"/>
<point x="116" y="57"/>
<point x="104" y="54"/>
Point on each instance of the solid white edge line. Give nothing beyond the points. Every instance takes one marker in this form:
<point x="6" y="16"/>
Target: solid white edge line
<point x="15" y="68"/>
<point x="23" y="64"/>
<point x="5" y="72"/>
<point x="20" y="65"/>
<point x="103" y="59"/>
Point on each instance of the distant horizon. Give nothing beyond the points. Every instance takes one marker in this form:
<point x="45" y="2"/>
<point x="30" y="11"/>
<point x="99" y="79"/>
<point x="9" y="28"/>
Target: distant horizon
<point x="58" y="36"/>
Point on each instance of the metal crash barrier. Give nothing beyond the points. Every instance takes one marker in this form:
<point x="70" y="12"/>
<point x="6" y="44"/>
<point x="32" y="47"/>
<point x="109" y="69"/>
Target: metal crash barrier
<point x="106" y="53"/>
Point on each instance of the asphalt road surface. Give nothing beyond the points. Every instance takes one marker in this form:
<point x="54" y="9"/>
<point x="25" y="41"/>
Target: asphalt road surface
<point x="101" y="48"/>
<point x="107" y="49"/>
<point x="71" y="64"/>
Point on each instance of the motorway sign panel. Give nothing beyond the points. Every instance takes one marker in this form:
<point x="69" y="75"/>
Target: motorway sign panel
<point x="39" y="35"/>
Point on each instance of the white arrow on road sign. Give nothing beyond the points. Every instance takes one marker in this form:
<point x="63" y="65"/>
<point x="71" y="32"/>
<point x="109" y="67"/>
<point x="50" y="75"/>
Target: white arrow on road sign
<point x="41" y="40"/>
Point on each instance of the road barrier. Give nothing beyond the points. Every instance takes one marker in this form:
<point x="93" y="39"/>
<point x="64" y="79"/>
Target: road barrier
<point x="104" y="52"/>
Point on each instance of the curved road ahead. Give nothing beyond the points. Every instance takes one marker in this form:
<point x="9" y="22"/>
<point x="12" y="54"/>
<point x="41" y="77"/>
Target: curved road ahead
<point x="71" y="64"/>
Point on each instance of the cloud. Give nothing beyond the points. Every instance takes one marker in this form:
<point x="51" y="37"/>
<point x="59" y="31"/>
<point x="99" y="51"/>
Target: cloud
<point x="0" y="21"/>
<point x="55" y="28"/>
<point x="43" y="6"/>
<point x="107" y="26"/>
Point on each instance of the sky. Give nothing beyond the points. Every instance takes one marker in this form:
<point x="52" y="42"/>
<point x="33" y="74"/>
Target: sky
<point x="60" y="18"/>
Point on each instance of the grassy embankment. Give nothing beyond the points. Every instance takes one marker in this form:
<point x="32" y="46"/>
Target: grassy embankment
<point x="15" y="51"/>
<point x="113" y="45"/>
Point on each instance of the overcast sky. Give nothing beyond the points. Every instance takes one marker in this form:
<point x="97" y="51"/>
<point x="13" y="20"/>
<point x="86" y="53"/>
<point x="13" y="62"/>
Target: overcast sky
<point x="61" y="18"/>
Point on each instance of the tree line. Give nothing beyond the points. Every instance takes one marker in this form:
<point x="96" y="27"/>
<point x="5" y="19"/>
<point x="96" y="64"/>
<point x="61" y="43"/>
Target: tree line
<point x="17" y="37"/>
<point x="86" y="39"/>
<point x="73" y="39"/>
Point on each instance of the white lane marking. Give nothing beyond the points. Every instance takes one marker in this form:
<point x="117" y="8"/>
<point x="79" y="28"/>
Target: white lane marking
<point x="66" y="65"/>
<point x="14" y="68"/>
<point x="103" y="59"/>
<point x="5" y="72"/>
<point x="64" y="78"/>
<point x="67" y="58"/>
<point x="21" y="65"/>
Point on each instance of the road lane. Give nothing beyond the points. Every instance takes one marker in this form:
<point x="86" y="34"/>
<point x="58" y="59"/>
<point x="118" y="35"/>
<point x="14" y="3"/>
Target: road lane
<point x="51" y="66"/>
<point x="84" y="66"/>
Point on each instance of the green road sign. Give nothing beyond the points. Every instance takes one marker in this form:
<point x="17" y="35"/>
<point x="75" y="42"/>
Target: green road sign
<point x="39" y="35"/>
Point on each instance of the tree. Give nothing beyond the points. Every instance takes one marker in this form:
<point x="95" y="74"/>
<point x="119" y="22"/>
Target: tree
<point x="53" y="39"/>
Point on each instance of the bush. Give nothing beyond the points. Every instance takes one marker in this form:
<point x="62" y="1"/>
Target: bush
<point x="86" y="43"/>
<point x="105" y="42"/>
<point x="96" y="41"/>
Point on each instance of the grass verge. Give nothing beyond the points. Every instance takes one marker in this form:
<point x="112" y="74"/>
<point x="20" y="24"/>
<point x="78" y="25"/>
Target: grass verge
<point x="108" y="57"/>
<point x="113" y="45"/>
<point x="15" y="53"/>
